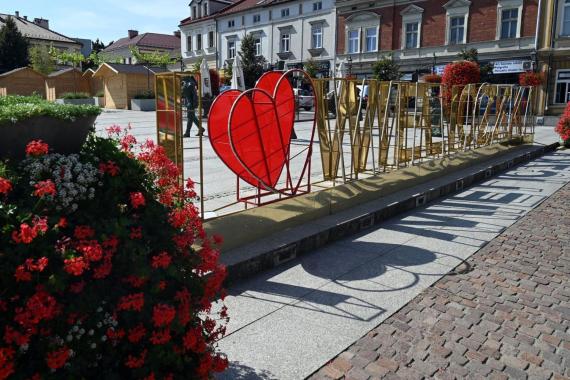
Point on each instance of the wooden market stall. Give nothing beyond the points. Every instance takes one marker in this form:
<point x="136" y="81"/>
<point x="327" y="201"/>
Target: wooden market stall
<point x="22" y="81"/>
<point x="122" y="82"/>
<point x="66" y="80"/>
<point x="95" y="84"/>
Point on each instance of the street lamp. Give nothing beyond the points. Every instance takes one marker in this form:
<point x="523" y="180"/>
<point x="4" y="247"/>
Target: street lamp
<point x="534" y="60"/>
<point x="181" y="64"/>
<point x="349" y="60"/>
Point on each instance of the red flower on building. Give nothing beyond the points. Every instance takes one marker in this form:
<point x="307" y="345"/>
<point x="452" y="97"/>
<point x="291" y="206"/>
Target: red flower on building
<point x="137" y="199"/>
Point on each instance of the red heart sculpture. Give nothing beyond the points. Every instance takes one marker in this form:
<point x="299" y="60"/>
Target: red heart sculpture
<point x="251" y="131"/>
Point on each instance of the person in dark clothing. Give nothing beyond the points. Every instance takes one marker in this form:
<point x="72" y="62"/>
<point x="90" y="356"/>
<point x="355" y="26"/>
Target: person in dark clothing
<point x="190" y="97"/>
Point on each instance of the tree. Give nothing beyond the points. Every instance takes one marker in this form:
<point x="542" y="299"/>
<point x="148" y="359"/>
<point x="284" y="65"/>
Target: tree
<point x="311" y="67"/>
<point x="252" y="64"/>
<point x="154" y="58"/>
<point x="13" y="47"/>
<point x="41" y="60"/>
<point x="386" y="69"/>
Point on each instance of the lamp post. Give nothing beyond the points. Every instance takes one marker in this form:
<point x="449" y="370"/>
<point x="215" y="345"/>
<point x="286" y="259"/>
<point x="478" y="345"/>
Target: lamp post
<point x="349" y="60"/>
<point x="533" y="58"/>
<point x="181" y="64"/>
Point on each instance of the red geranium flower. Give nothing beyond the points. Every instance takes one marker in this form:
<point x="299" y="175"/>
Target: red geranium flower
<point x="162" y="260"/>
<point x="57" y="359"/>
<point x="160" y="337"/>
<point x="137" y="199"/>
<point x="136" y="362"/>
<point x="163" y="315"/>
<point x="83" y="232"/>
<point x="44" y="188"/>
<point x="37" y="148"/>
<point x="136" y="233"/>
<point x="5" y="186"/>
<point x="136" y="334"/>
<point x="75" y="266"/>
<point x="132" y="302"/>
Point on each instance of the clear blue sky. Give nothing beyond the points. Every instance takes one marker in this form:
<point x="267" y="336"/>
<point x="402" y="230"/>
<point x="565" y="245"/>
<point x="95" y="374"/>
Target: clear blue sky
<point x="107" y="20"/>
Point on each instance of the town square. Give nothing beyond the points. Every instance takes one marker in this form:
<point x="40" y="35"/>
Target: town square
<point x="285" y="189"/>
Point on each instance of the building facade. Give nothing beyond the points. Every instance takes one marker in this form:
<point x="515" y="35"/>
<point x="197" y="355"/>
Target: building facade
<point x="554" y="55"/>
<point x="425" y="35"/>
<point x="199" y="33"/>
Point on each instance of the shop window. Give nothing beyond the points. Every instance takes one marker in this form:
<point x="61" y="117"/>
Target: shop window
<point x="562" y="87"/>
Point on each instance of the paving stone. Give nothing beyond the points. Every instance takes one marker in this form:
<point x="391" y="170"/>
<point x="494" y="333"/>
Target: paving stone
<point x="508" y="318"/>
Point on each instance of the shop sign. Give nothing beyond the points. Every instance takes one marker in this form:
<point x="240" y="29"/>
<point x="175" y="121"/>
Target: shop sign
<point x="510" y="67"/>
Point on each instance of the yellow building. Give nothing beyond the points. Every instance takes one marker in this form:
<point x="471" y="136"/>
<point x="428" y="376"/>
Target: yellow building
<point x="553" y="55"/>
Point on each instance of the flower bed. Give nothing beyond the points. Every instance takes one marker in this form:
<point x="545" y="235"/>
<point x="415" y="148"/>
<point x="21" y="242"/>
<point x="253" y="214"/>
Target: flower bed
<point x="18" y="108"/>
<point x="105" y="269"/>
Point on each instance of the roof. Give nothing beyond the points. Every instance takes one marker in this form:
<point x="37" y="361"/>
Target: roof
<point x="34" y="31"/>
<point x="64" y="71"/>
<point x="230" y="4"/>
<point x="152" y="40"/>
<point x="121" y="68"/>
<point x="8" y="73"/>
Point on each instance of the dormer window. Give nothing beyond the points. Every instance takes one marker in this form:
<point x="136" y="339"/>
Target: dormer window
<point x="205" y="10"/>
<point x="231" y="23"/>
<point x="194" y="12"/>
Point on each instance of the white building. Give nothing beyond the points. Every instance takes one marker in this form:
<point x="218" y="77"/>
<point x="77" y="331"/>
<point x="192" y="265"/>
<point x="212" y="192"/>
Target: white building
<point x="199" y="32"/>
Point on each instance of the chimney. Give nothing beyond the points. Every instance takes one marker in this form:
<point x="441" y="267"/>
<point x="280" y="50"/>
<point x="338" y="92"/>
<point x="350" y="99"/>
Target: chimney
<point x="26" y="18"/>
<point x="177" y="33"/>
<point x="133" y="34"/>
<point x="42" y="22"/>
<point x="17" y="13"/>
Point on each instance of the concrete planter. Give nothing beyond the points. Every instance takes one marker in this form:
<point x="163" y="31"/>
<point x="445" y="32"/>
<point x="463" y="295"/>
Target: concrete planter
<point x="63" y="136"/>
<point x="99" y="101"/>
<point x="77" y="102"/>
<point x="143" y="104"/>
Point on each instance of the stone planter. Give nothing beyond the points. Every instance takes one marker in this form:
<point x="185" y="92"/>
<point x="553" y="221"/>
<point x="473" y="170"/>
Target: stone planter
<point x="62" y="136"/>
<point x="99" y="101"/>
<point x="77" y="102"/>
<point x="143" y="104"/>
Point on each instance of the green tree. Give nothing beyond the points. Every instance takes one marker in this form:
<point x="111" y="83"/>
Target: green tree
<point x="13" y="47"/>
<point x="251" y="63"/>
<point x="154" y="58"/>
<point x="41" y="60"/>
<point x="311" y="67"/>
<point x="386" y="69"/>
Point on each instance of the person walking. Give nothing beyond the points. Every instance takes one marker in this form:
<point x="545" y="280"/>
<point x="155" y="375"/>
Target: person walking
<point x="190" y="96"/>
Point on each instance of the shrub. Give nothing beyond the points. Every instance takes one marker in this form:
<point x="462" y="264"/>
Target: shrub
<point x="100" y="94"/>
<point x="75" y="95"/>
<point x="145" y="95"/>
<point x="530" y="78"/>
<point x="386" y="69"/>
<point x="116" y="292"/>
<point x="15" y="108"/>
<point x="432" y="78"/>
<point x="458" y="74"/>
<point x="563" y="126"/>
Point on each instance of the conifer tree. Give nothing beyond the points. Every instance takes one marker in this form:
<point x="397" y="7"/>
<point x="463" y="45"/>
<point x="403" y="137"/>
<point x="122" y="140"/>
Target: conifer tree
<point x="13" y="47"/>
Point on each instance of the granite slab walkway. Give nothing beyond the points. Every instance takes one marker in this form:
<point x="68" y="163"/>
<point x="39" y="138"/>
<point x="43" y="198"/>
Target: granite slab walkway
<point x="507" y="316"/>
<point x="289" y="322"/>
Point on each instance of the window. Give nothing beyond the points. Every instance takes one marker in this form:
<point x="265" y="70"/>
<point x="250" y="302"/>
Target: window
<point x="189" y="43"/>
<point x="231" y="49"/>
<point x="456" y="30"/>
<point x="317" y="6"/>
<point x="566" y="19"/>
<point x="210" y="39"/>
<point x="205" y="9"/>
<point x="509" y="23"/>
<point x="231" y="23"/>
<point x="285" y="12"/>
<point x="194" y="14"/>
<point x="353" y="41"/>
<point x="562" y="87"/>
<point x="317" y="39"/>
<point x="257" y="42"/>
<point x="198" y="42"/>
<point x="256" y="18"/>
<point x="285" y="43"/>
<point x="412" y="29"/>
<point x="371" y="39"/>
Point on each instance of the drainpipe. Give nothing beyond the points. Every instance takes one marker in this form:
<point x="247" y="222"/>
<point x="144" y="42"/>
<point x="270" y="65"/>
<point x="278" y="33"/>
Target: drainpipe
<point x="551" y="46"/>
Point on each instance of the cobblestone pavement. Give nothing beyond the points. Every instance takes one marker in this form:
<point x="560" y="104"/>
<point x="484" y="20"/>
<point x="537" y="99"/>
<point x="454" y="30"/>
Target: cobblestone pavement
<point x="505" y="313"/>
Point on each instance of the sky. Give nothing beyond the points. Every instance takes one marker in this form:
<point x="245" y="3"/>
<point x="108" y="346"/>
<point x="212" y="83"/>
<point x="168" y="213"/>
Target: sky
<point x="107" y="20"/>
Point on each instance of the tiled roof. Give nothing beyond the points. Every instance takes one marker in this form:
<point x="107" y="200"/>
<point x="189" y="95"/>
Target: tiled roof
<point x="190" y="20"/>
<point x="33" y="31"/>
<point x="61" y="72"/>
<point x="152" y="40"/>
